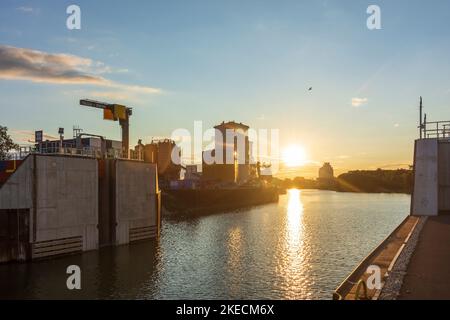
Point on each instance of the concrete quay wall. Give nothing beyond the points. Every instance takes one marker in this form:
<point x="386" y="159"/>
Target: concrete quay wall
<point x="55" y="204"/>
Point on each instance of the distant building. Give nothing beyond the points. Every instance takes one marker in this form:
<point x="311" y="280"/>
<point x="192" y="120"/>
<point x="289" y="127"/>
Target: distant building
<point x="326" y="178"/>
<point x="326" y="171"/>
<point x="232" y="160"/>
<point x="160" y="152"/>
<point x="191" y="172"/>
<point x="93" y="146"/>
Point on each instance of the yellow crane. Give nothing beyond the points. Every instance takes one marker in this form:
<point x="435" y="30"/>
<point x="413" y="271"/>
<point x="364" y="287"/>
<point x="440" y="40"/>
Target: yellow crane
<point x="115" y="112"/>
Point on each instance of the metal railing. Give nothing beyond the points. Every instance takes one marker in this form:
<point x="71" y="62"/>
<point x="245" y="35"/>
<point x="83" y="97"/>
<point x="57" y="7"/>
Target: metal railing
<point x="436" y="129"/>
<point x="67" y="150"/>
<point x="18" y="154"/>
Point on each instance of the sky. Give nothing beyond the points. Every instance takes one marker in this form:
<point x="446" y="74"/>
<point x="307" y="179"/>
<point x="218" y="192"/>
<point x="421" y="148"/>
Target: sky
<point x="176" y="62"/>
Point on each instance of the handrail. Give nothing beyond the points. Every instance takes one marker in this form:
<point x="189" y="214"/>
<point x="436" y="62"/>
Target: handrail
<point x="67" y="150"/>
<point x="436" y="129"/>
<point x="361" y="283"/>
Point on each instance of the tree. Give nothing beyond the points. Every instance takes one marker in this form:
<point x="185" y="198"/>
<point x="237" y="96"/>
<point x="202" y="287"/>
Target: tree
<point x="6" y="143"/>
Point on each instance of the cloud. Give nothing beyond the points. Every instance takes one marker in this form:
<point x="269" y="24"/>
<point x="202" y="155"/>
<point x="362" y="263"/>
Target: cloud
<point x="114" y="95"/>
<point x="28" y="10"/>
<point x="42" y="67"/>
<point x="357" y="102"/>
<point x="27" y="136"/>
<point x="25" y="9"/>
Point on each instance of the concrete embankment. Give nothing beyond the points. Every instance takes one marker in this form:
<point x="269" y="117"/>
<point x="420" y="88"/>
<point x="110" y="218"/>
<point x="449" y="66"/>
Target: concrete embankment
<point x="414" y="263"/>
<point x="58" y="204"/>
<point x="384" y="257"/>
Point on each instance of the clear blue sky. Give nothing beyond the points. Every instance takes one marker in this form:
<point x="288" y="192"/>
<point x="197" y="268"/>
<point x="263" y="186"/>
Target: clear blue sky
<point x="249" y="61"/>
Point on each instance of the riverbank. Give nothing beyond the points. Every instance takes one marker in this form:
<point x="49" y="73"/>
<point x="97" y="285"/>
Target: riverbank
<point x="384" y="261"/>
<point x="359" y="181"/>
<point x="414" y="262"/>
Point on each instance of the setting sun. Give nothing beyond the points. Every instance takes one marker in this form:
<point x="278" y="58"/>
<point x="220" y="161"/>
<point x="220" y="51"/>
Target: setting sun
<point x="294" y="156"/>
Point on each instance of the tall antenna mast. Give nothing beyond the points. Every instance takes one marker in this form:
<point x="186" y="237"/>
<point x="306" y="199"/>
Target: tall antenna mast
<point x="420" y="120"/>
<point x="425" y="126"/>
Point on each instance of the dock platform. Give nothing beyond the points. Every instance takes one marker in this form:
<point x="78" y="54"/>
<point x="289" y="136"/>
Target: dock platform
<point x="428" y="273"/>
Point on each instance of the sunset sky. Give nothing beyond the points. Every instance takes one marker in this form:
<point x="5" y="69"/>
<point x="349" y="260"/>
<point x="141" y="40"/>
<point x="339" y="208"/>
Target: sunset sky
<point x="176" y="62"/>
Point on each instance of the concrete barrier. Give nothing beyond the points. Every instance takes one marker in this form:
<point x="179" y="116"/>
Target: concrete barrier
<point x="67" y="200"/>
<point x="59" y="204"/>
<point x="137" y="193"/>
<point x="424" y="201"/>
<point x="60" y="196"/>
<point x="444" y="176"/>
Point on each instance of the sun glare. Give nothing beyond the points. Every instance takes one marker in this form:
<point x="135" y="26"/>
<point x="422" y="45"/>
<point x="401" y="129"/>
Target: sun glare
<point x="294" y="156"/>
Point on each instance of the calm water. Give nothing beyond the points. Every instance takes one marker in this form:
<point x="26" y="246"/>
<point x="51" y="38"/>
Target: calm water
<point x="300" y="248"/>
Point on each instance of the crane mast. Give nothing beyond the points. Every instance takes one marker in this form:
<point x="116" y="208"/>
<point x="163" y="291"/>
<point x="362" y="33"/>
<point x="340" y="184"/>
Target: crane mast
<point x="115" y="112"/>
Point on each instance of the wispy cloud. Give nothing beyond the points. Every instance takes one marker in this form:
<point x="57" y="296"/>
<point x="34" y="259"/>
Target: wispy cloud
<point x="27" y="136"/>
<point x="357" y="102"/>
<point x="28" y="9"/>
<point x="114" y="95"/>
<point x="43" y="67"/>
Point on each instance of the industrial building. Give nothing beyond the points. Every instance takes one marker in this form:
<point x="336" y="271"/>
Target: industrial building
<point x="231" y="156"/>
<point x="97" y="146"/>
<point x="165" y="154"/>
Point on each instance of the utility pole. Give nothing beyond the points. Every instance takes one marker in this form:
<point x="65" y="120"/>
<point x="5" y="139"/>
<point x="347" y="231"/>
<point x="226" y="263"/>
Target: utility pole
<point x="420" y="117"/>
<point x="61" y="138"/>
<point x="420" y="120"/>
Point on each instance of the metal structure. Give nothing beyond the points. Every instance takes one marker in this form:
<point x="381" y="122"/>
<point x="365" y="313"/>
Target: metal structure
<point x="115" y="112"/>
<point x="432" y="129"/>
<point x="421" y="125"/>
<point x="79" y="145"/>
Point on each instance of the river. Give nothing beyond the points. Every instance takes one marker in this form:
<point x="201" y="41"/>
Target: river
<point x="299" y="248"/>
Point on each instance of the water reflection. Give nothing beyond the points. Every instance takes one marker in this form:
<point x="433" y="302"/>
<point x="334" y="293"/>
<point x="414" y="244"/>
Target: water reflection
<point x="294" y="218"/>
<point x="291" y="264"/>
<point x="234" y="260"/>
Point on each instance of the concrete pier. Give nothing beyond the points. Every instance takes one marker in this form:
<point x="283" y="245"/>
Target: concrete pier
<point x="57" y="204"/>
<point x="431" y="193"/>
<point x="137" y="201"/>
<point x="427" y="275"/>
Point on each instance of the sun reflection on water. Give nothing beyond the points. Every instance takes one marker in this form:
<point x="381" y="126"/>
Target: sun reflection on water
<point x="292" y="263"/>
<point x="294" y="217"/>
